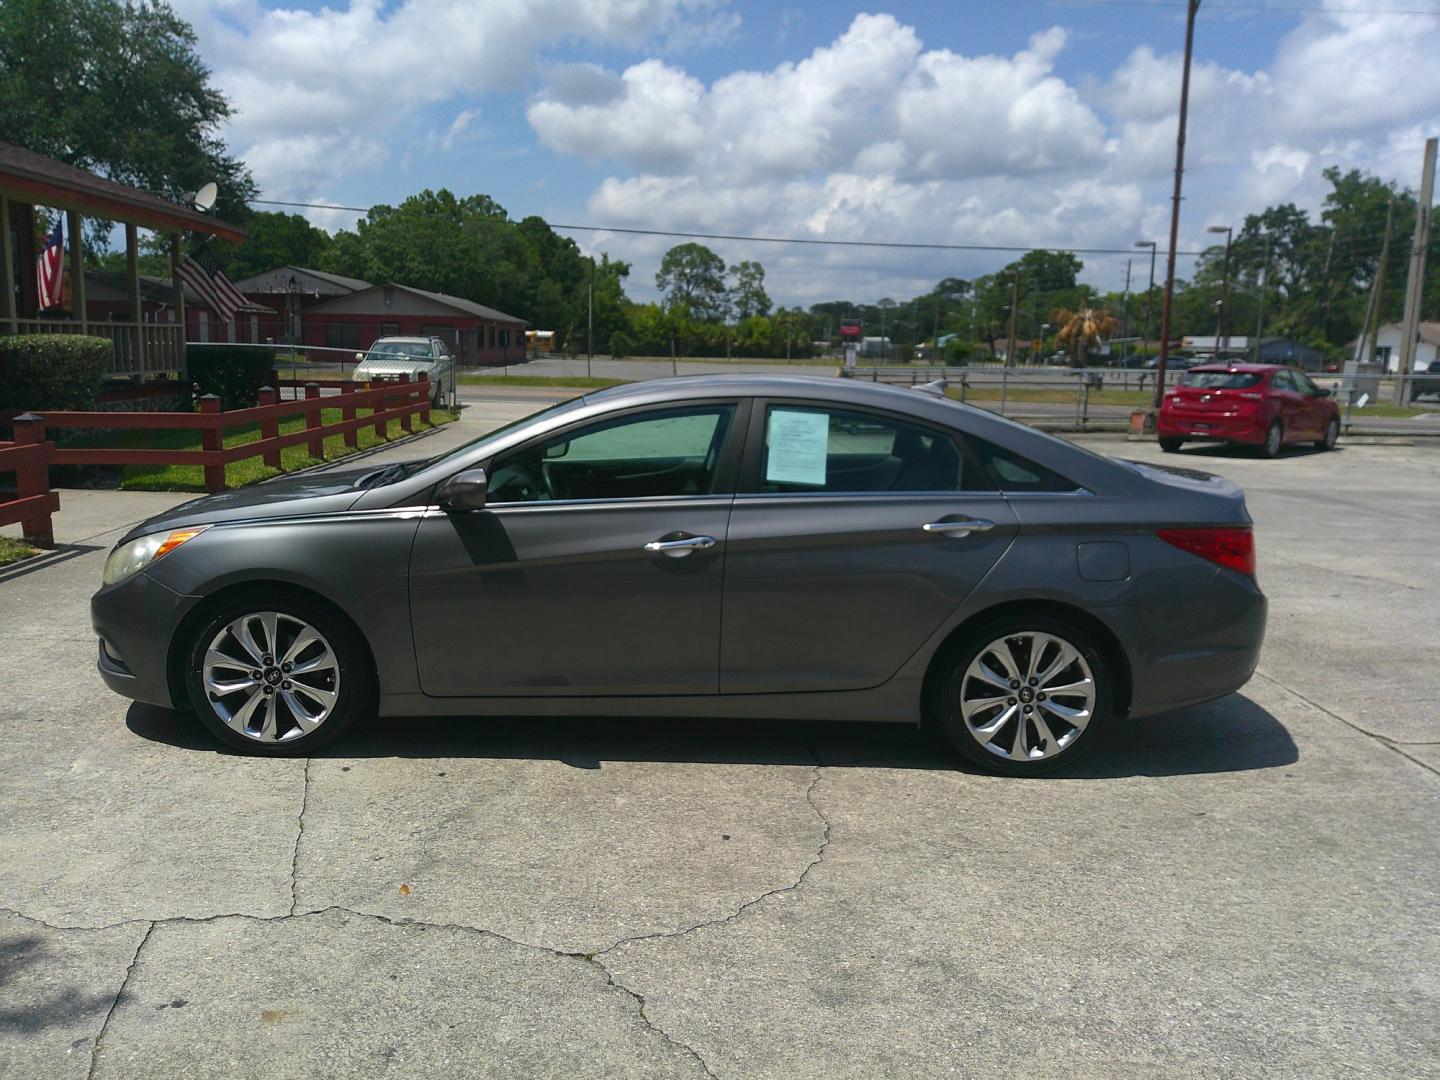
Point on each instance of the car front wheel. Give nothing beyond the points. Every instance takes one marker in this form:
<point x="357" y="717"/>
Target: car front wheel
<point x="275" y="676"/>
<point x="1274" y="440"/>
<point x="1026" y="697"/>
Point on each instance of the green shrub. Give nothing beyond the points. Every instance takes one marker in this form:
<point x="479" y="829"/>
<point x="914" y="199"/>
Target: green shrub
<point x="234" y="373"/>
<point x="51" y="371"/>
<point x="620" y="346"/>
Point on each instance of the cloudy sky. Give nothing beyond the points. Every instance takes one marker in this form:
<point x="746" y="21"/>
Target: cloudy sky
<point x="1030" y="122"/>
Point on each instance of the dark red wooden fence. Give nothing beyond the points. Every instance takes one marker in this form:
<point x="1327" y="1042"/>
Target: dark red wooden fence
<point x="28" y="457"/>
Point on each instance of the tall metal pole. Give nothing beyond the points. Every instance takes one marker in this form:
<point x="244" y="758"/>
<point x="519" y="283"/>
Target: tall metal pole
<point x="1260" y="314"/>
<point x="590" y="320"/>
<point x="1149" y="292"/>
<point x="1125" y="307"/>
<point x="1010" y="347"/>
<point x="1192" y="10"/>
<point x="1415" y="282"/>
<point x="1377" y="291"/>
<point x="1222" y="340"/>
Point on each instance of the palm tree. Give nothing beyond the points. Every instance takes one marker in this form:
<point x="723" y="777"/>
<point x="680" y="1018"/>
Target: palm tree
<point x="1082" y="329"/>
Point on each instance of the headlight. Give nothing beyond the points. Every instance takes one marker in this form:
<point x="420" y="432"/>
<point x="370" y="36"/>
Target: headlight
<point x="139" y="553"/>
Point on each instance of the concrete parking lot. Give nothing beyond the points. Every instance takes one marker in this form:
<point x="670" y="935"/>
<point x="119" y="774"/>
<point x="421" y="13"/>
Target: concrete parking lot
<point x="1246" y="888"/>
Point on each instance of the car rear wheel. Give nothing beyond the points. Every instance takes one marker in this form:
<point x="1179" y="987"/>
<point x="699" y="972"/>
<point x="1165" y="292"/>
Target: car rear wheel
<point x="1170" y="445"/>
<point x="1274" y="440"/>
<point x="1027" y="696"/>
<point x="274" y="676"/>
<point x="1331" y="436"/>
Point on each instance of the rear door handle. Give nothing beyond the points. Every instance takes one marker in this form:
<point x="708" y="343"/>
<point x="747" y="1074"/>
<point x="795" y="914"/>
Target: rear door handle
<point x="959" y="528"/>
<point x="679" y="548"/>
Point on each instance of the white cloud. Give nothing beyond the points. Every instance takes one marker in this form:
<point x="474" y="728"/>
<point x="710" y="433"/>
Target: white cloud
<point x="308" y="86"/>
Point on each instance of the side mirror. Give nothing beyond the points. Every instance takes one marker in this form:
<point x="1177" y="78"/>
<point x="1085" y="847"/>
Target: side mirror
<point x="464" y="491"/>
<point x="1322" y="392"/>
<point x="557" y="450"/>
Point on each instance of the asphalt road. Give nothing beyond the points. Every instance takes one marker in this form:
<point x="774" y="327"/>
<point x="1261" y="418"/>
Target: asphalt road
<point x="1241" y="889"/>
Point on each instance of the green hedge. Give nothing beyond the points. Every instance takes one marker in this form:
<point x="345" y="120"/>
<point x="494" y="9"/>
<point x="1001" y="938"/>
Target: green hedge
<point x="234" y="373"/>
<point x="51" y="371"/>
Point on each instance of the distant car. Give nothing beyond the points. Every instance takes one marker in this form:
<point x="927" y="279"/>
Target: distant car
<point x="1260" y="405"/>
<point x="390" y="357"/>
<point x="1427" y="382"/>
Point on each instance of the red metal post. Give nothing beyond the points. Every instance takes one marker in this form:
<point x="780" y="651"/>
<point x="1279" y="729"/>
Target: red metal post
<point x="212" y="438"/>
<point x="405" y="424"/>
<point x="33" y="478"/>
<point x="424" y="398"/>
<point x="316" y="444"/>
<point x="270" y="426"/>
<point x="347" y="411"/>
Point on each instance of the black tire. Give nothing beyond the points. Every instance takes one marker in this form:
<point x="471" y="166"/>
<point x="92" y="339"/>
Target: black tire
<point x="352" y="668"/>
<point x="948" y="721"/>
<point x="1170" y="445"/>
<point x="1331" y="436"/>
<point x="1274" y="441"/>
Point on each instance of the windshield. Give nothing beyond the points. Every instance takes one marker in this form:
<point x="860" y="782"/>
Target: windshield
<point x="1220" y="380"/>
<point x="504" y="429"/>
<point x="385" y="349"/>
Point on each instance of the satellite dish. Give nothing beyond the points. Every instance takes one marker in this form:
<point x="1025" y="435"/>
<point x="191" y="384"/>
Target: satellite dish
<point x="204" y="199"/>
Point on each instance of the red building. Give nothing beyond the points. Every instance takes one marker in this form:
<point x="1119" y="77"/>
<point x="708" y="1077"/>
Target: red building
<point x="289" y="290"/>
<point x="107" y="300"/>
<point x="476" y="334"/>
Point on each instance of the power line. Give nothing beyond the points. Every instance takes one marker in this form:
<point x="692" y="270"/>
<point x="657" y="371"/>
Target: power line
<point x="1255" y="9"/>
<point x="810" y="241"/>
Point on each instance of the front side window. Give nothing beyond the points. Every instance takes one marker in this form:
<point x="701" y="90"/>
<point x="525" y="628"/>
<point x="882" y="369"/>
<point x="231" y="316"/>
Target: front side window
<point x="810" y="449"/>
<point x="659" y="453"/>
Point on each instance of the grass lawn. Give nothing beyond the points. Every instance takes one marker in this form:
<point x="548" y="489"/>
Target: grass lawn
<point x="582" y="382"/>
<point x="238" y="473"/>
<point x="14" y="550"/>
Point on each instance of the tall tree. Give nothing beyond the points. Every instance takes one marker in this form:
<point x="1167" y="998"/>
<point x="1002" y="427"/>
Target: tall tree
<point x="119" y="89"/>
<point x="273" y="240"/>
<point x="748" y="292"/>
<point x="693" y="277"/>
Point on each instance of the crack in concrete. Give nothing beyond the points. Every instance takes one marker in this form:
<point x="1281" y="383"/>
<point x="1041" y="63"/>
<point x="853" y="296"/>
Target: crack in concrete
<point x="299" y="834"/>
<point x="1389" y="744"/>
<point x="754" y="900"/>
<point x="639" y="1000"/>
<point x="115" y="1002"/>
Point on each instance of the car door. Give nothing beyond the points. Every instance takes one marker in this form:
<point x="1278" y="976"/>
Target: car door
<point x="1315" y="405"/>
<point x="1293" y="414"/>
<point x="594" y="568"/>
<point x="854" y="535"/>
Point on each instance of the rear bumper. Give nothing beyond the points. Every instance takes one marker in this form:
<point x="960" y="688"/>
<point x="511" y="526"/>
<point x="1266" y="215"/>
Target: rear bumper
<point x="1185" y="654"/>
<point x="1231" y="429"/>
<point x="135" y="620"/>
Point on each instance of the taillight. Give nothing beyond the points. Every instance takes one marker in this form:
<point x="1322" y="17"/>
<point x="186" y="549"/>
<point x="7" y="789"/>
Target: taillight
<point x="1233" y="548"/>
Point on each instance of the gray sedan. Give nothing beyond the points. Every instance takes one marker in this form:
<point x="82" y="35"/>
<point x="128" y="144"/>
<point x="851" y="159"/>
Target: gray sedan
<point x="715" y="546"/>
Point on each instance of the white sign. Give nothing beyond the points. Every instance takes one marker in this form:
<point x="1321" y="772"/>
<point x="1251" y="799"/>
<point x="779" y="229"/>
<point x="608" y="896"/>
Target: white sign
<point x="797" y="442"/>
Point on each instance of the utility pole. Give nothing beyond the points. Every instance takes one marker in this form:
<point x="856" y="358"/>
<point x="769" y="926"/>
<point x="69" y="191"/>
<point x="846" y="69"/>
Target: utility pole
<point x="1222" y="340"/>
<point x="1377" y="291"/>
<point x="1193" y="9"/>
<point x="1415" y="282"/>
<point x="1260" y="314"/>
<point x="1010" y="347"/>
<point x="590" y="320"/>
<point x="1149" y="292"/>
<point x="1125" y="307"/>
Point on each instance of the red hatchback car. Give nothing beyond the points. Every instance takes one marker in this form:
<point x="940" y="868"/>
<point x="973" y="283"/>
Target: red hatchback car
<point x="1260" y="405"/>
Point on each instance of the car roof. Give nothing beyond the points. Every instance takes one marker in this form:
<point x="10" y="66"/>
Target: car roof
<point x="416" y="340"/>
<point x="1254" y="369"/>
<point x="748" y="384"/>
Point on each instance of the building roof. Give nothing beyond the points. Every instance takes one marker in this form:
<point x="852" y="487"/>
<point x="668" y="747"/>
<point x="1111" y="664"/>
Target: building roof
<point x="158" y="290"/>
<point x="259" y="283"/>
<point x="35" y="178"/>
<point x="456" y="303"/>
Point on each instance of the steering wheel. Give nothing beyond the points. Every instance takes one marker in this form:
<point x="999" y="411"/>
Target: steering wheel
<point x="521" y="481"/>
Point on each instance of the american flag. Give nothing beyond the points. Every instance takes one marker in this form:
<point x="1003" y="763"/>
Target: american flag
<point x="50" y="268"/>
<point x="203" y="274"/>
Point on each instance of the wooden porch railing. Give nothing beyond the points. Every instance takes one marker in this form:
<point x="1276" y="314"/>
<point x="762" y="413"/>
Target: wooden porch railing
<point x="141" y="349"/>
<point x="400" y="400"/>
<point x="28" y="457"/>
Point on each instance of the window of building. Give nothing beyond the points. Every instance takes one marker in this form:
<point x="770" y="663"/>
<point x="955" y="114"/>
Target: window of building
<point x="809" y="449"/>
<point x="389" y="329"/>
<point x="504" y="339"/>
<point x="202" y="320"/>
<point x="342" y="335"/>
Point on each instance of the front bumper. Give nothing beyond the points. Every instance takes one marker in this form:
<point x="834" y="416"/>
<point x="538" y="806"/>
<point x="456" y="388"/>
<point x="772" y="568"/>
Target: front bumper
<point x="136" y="620"/>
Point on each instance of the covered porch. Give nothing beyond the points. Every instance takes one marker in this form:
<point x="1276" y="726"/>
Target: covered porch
<point x="142" y="348"/>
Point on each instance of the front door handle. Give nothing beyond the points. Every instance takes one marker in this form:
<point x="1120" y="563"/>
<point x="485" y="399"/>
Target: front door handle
<point x="959" y="528"/>
<point x="679" y="548"/>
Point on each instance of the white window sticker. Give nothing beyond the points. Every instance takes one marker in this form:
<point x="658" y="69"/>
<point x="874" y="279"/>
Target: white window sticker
<point x="797" y="442"/>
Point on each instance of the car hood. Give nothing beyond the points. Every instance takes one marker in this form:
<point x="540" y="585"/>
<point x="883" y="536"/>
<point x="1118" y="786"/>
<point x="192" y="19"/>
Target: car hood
<point x="322" y="492"/>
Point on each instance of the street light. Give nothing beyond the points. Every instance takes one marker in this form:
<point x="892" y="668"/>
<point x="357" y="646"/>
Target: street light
<point x="1222" y="343"/>
<point x="1148" y="292"/>
<point x="1260" y="314"/>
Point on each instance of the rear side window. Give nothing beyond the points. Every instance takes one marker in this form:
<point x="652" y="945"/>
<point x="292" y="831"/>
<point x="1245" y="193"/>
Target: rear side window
<point x="1220" y="380"/>
<point x="810" y="449"/>
<point x="1013" y="473"/>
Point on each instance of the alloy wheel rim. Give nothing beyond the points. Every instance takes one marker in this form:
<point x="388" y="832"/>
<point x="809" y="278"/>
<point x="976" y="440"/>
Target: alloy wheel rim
<point x="1332" y="432"/>
<point x="270" y="677"/>
<point x="1027" y="696"/>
